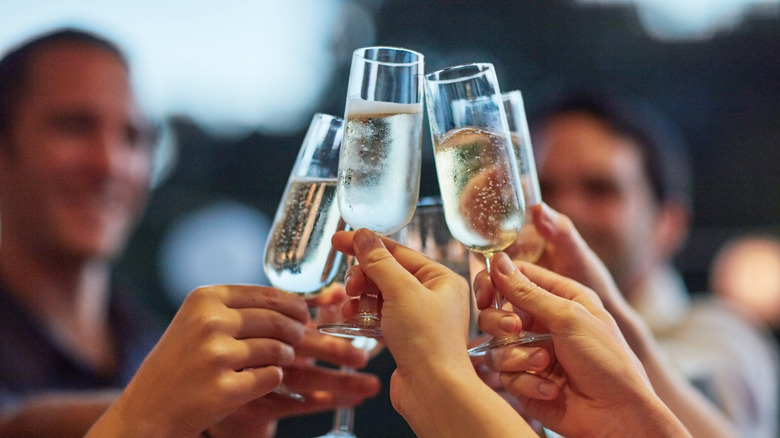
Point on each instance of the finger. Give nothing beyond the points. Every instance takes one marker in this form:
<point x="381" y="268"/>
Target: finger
<point x="332" y="295"/>
<point x="264" y="323"/>
<point x="527" y="295"/>
<point x="331" y="349"/>
<point x="530" y="386"/>
<point x="342" y="242"/>
<point x="357" y="283"/>
<point x="343" y="385"/>
<point x="261" y="352"/>
<point x="350" y="308"/>
<point x="412" y="261"/>
<point x="498" y="322"/>
<point x="251" y="383"/>
<point x="485" y="373"/>
<point x="261" y="297"/>
<point x="560" y="285"/>
<point x="518" y="359"/>
<point x="322" y="391"/>
<point x="557" y="228"/>
<point x="383" y="268"/>
<point x="483" y="289"/>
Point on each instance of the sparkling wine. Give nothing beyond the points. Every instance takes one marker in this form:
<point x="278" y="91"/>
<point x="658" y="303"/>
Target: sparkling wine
<point x="299" y="257"/>
<point x="480" y="188"/>
<point x="379" y="169"/>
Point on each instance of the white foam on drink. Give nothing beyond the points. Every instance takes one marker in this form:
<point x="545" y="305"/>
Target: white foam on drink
<point x="362" y="107"/>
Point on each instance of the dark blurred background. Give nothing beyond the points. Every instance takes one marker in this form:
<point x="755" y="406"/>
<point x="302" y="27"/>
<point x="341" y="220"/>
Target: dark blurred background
<point x="716" y="76"/>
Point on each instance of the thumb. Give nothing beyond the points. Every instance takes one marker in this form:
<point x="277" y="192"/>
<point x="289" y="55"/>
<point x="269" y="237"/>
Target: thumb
<point x="380" y="266"/>
<point x="557" y="228"/>
<point x="526" y="295"/>
<point x="575" y="259"/>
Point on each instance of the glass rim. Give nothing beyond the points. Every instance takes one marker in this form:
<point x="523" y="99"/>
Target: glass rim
<point x="359" y="52"/>
<point x="319" y="115"/>
<point x="482" y="68"/>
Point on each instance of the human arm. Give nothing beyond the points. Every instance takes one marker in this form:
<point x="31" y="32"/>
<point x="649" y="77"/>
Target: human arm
<point x="595" y="386"/>
<point x="61" y="414"/>
<point x="567" y="254"/>
<point x="221" y="354"/>
<point x="323" y="387"/>
<point x="425" y="324"/>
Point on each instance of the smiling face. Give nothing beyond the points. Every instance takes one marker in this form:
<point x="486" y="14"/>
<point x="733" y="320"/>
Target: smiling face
<point x="75" y="165"/>
<point x="596" y="177"/>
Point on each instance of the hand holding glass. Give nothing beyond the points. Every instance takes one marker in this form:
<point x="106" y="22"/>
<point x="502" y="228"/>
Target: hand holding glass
<point x="379" y="168"/>
<point x="477" y="167"/>
<point x="298" y="254"/>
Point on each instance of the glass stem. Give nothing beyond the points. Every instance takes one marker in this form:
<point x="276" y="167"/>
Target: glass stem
<point x="344" y="417"/>
<point x="497" y="298"/>
<point x="368" y="306"/>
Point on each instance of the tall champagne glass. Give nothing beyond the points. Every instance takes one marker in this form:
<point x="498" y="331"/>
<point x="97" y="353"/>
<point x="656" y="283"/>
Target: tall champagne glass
<point x="477" y="168"/>
<point x="379" y="167"/>
<point x="529" y="244"/>
<point x="298" y="253"/>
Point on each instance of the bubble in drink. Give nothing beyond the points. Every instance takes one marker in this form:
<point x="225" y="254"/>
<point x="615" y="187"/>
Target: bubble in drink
<point x="480" y="188"/>
<point x="299" y="257"/>
<point x="379" y="167"/>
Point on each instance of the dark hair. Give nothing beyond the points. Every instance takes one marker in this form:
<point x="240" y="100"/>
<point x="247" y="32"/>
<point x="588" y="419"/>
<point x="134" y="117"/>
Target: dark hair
<point x="14" y="66"/>
<point x="660" y="143"/>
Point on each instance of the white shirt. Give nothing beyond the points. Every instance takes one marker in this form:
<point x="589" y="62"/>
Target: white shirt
<point x="732" y="362"/>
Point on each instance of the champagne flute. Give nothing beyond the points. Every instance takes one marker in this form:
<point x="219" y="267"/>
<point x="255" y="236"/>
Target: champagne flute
<point x="298" y="254"/>
<point x="379" y="167"/>
<point x="529" y="244"/>
<point x="477" y="168"/>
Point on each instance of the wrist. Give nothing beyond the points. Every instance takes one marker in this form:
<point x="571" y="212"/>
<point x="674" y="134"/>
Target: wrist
<point x="648" y="417"/>
<point x="445" y="402"/>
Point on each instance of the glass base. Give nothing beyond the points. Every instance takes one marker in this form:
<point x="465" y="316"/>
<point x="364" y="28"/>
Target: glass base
<point x="366" y="326"/>
<point x="507" y="341"/>
<point x="337" y="434"/>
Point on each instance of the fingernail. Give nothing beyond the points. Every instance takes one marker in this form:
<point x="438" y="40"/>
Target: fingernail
<point x="503" y="264"/>
<point x="508" y="323"/>
<point x="364" y="240"/>
<point x="548" y="389"/>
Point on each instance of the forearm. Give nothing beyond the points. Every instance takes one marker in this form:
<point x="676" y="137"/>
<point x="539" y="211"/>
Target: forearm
<point x="129" y="416"/>
<point x="699" y="415"/>
<point x="453" y="402"/>
<point x="61" y="415"/>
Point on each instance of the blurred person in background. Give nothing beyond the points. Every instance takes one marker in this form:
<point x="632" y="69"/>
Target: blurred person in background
<point x="76" y="159"/>
<point x="618" y="170"/>
<point x="746" y="272"/>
